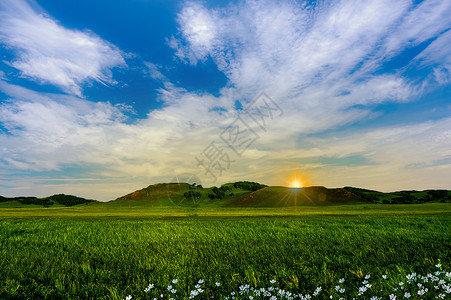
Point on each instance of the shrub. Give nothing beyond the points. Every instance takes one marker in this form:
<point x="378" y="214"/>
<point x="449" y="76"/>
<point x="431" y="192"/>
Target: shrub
<point x="36" y="201"/>
<point x="192" y="194"/>
<point x="438" y="194"/>
<point x="248" y="186"/>
<point x="69" y="200"/>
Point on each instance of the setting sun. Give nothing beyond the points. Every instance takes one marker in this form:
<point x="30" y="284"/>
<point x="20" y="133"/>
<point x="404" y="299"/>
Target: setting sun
<point x="296" y="184"/>
<point x="296" y="179"/>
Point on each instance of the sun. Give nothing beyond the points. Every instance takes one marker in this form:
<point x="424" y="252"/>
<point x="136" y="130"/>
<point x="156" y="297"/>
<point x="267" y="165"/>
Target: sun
<point x="296" y="184"/>
<point x="294" y="178"/>
<point x="297" y="179"/>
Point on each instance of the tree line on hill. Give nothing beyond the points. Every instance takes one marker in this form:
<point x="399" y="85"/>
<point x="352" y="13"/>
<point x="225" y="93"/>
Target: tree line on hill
<point x="66" y="200"/>
<point x="407" y="197"/>
<point x="193" y="193"/>
<point x="6" y="199"/>
<point x="218" y="193"/>
<point x="402" y="197"/>
<point x="69" y="200"/>
<point x="248" y="186"/>
<point x="223" y="191"/>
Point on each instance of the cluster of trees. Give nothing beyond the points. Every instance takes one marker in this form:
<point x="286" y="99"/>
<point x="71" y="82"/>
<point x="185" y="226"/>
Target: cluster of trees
<point x="28" y="200"/>
<point x="407" y="197"/>
<point x="403" y="197"/>
<point x="220" y="193"/>
<point x="5" y="199"/>
<point x="66" y="200"/>
<point x="192" y="194"/>
<point x="441" y="195"/>
<point x="69" y="200"/>
<point x="195" y="186"/>
<point x="37" y="201"/>
<point x="248" y="185"/>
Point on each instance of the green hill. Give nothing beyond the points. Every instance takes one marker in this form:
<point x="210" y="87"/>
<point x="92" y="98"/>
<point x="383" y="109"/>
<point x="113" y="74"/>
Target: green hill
<point x="182" y="194"/>
<point x="154" y="195"/>
<point x="238" y="194"/>
<point x="51" y="201"/>
<point x="402" y="197"/>
<point x="308" y="196"/>
<point x="251" y="194"/>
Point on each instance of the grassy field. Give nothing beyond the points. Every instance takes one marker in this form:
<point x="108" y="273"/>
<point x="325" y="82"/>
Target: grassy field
<point x="106" y="251"/>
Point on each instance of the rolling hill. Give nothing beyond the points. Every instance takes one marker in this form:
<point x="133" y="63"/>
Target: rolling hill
<point x="55" y="200"/>
<point x="308" y="196"/>
<point x="238" y="194"/>
<point x="248" y="194"/>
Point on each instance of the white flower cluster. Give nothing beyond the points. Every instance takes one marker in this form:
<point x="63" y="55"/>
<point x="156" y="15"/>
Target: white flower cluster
<point x="198" y="289"/>
<point x="436" y="285"/>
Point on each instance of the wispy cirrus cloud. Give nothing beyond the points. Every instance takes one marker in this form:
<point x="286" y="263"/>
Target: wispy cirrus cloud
<point x="47" y="52"/>
<point x="322" y="62"/>
<point x="422" y="22"/>
<point x="328" y="64"/>
<point x="153" y="71"/>
<point x="285" y="47"/>
<point x="438" y="57"/>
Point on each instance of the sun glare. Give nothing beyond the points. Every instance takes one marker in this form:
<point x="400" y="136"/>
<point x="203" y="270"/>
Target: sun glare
<point x="297" y="179"/>
<point x="296" y="184"/>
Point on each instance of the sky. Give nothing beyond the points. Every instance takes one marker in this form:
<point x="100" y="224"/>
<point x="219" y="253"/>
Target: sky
<point x="100" y="98"/>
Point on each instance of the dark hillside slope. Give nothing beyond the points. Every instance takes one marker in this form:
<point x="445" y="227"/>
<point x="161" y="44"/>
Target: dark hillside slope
<point x="309" y="196"/>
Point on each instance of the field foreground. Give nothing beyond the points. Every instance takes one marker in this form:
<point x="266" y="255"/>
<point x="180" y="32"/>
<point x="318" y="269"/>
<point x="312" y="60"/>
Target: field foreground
<point x="110" y="253"/>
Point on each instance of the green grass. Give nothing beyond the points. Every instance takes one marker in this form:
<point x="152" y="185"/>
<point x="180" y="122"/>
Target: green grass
<point x="105" y="251"/>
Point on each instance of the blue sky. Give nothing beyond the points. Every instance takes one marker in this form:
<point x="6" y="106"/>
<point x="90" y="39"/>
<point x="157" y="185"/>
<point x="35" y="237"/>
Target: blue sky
<point x="100" y="98"/>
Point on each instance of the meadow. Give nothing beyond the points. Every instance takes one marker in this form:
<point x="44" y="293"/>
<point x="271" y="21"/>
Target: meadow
<point x="110" y="252"/>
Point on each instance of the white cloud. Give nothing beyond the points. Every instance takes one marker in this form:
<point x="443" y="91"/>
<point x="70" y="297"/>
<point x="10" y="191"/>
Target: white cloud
<point x="401" y="157"/>
<point x="318" y="62"/>
<point x="153" y="71"/>
<point x="284" y="48"/>
<point x="421" y="23"/>
<point x="438" y="56"/>
<point x="199" y="30"/>
<point x="51" y="131"/>
<point x="47" y="131"/>
<point x="47" y="52"/>
<point x="321" y="64"/>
